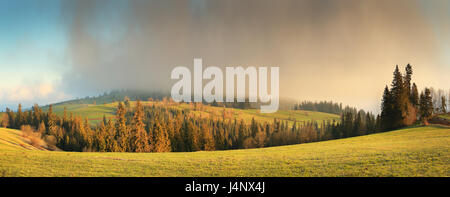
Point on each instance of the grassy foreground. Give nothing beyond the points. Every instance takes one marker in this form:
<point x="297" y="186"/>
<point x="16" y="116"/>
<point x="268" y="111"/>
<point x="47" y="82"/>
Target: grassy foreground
<point x="421" y="151"/>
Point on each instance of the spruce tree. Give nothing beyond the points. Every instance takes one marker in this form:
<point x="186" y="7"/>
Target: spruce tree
<point x="357" y="125"/>
<point x="101" y="137"/>
<point x="162" y="141"/>
<point x="19" y="117"/>
<point x="386" y="110"/>
<point x="399" y="100"/>
<point x="122" y="129"/>
<point x="140" y="139"/>
<point x="407" y="80"/>
<point x="414" y="97"/>
<point x="426" y="105"/>
<point x="443" y="105"/>
<point x="41" y="128"/>
<point x="208" y="140"/>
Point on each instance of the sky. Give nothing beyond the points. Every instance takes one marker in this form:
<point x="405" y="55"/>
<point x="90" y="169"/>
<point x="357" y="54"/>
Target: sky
<point x="345" y="51"/>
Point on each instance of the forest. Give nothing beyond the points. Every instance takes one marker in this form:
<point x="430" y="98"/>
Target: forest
<point x="165" y="129"/>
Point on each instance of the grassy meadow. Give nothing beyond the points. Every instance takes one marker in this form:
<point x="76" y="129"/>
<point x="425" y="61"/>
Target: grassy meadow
<point x="419" y="151"/>
<point x="445" y="116"/>
<point x="95" y="113"/>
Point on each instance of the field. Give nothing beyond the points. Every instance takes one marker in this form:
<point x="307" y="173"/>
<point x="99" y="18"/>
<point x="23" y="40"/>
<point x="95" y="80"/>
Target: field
<point x="419" y="151"/>
<point x="445" y="116"/>
<point x="95" y="113"/>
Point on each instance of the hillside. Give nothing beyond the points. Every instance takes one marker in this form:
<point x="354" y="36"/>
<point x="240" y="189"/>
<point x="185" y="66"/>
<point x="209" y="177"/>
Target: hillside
<point x="95" y="113"/>
<point x="420" y="151"/>
<point x="445" y="116"/>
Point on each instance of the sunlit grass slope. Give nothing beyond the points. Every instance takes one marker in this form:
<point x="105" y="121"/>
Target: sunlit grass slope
<point x="95" y="113"/>
<point x="445" y="116"/>
<point x="421" y="151"/>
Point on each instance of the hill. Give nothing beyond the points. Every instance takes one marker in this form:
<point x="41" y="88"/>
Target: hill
<point x="443" y="119"/>
<point x="95" y="113"/>
<point x="445" y="116"/>
<point x="420" y="151"/>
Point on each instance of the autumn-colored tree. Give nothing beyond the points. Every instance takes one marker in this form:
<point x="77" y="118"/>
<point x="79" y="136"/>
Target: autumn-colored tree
<point x="162" y="141"/>
<point x="41" y="128"/>
<point x="5" y="120"/>
<point x="140" y="138"/>
<point x="123" y="132"/>
<point x="208" y="140"/>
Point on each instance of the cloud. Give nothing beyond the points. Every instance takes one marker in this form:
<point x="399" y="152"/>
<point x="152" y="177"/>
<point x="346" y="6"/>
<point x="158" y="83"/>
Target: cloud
<point x="20" y="93"/>
<point x="45" y="89"/>
<point x="28" y="93"/>
<point x="335" y="50"/>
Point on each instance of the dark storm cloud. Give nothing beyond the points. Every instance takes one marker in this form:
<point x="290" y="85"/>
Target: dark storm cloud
<point x="340" y="50"/>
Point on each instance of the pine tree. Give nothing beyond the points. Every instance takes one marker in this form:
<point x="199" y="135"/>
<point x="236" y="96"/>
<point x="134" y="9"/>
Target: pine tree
<point x="386" y="110"/>
<point x="20" y="117"/>
<point x="357" y="125"/>
<point x="41" y="128"/>
<point x="426" y="105"/>
<point x="192" y="137"/>
<point x="414" y="96"/>
<point x="123" y="134"/>
<point x="260" y="136"/>
<point x="37" y="119"/>
<point x="398" y="99"/>
<point x="443" y="105"/>
<point x="370" y="123"/>
<point x="111" y="140"/>
<point x="101" y="137"/>
<point x="5" y="119"/>
<point x="162" y="141"/>
<point x="51" y="121"/>
<point x="140" y="139"/>
<point x="407" y="80"/>
<point x="347" y="123"/>
<point x="208" y="140"/>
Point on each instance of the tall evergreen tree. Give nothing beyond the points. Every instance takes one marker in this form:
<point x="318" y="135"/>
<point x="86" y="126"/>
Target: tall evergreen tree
<point x="140" y="139"/>
<point x="208" y="140"/>
<point x="443" y="105"/>
<point x="407" y="80"/>
<point x="426" y="105"/>
<point x="123" y="134"/>
<point x="386" y="110"/>
<point x="19" y="117"/>
<point x="357" y="125"/>
<point x="162" y="141"/>
<point x="414" y="97"/>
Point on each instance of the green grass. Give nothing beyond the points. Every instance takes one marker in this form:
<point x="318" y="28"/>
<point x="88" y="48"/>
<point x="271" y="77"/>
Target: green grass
<point x="445" y="116"/>
<point x="420" y="151"/>
<point x="95" y="113"/>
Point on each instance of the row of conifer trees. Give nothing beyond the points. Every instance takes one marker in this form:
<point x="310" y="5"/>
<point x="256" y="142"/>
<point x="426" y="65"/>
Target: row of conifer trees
<point x="164" y="128"/>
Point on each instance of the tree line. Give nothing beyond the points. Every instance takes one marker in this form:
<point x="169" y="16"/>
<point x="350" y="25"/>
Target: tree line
<point x="402" y="105"/>
<point x="164" y="129"/>
<point x="324" y="106"/>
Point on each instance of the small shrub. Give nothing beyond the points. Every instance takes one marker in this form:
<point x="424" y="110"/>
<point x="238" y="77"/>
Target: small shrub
<point x="33" y="137"/>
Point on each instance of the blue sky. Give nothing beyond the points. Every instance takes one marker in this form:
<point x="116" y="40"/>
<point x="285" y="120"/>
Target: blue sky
<point x="36" y="39"/>
<point x="32" y="51"/>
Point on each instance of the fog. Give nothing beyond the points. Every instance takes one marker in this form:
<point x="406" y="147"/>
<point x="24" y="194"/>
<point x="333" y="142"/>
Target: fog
<point x="343" y="51"/>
